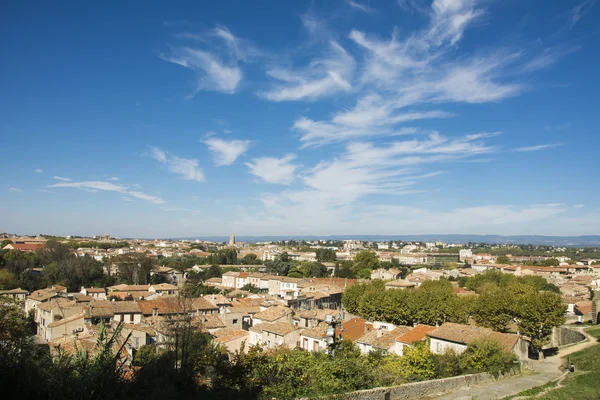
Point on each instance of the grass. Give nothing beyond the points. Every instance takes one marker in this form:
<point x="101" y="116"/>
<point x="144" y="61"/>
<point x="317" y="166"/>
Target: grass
<point x="584" y="384"/>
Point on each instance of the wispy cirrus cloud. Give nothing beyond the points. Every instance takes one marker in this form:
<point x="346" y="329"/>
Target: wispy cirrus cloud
<point x="15" y="190"/>
<point x="186" y="168"/>
<point x="274" y="170"/>
<point x="359" y="6"/>
<point x="114" y="178"/>
<point x="538" y="147"/>
<point x="215" y="57"/>
<point x="60" y="178"/>
<point x="226" y="151"/>
<point x="39" y="170"/>
<point x="322" y="77"/>
<point x="104" y="186"/>
<point x="578" y="12"/>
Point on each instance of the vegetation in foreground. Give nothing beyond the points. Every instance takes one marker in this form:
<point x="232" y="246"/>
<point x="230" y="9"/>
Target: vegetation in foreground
<point x="196" y="368"/>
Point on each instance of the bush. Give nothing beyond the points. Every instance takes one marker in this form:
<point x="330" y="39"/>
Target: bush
<point x="487" y="355"/>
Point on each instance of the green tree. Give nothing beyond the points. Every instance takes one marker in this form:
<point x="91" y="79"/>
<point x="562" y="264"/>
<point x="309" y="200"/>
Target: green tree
<point x="7" y="280"/>
<point x="487" y="355"/>
<point x="134" y="268"/>
<point x="538" y="313"/>
<point x="494" y="308"/>
<point x="324" y="255"/>
<point x="503" y="260"/>
<point x="352" y="296"/>
<point x="366" y="259"/>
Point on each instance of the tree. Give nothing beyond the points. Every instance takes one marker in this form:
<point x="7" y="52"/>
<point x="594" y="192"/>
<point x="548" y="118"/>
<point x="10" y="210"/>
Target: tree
<point x="538" y="313"/>
<point x="248" y="287"/>
<point x="250" y="259"/>
<point x="503" y="260"/>
<point x="352" y="296"/>
<point x="324" y="255"/>
<point x="7" y="280"/>
<point x="366" y="259"/>
<point x="494" y="308"/>
<point x="4" y="243"/>
<point x="487" y="355"/>
<point x="551" y="262"/>
<point x="134" y="268"/>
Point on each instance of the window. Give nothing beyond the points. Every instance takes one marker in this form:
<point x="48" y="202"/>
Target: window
<point x="439" y="347"/>
<point x="130" y="317"/>
<point x="235" y="321"/>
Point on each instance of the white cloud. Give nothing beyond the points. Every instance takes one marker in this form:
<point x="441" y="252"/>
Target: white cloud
<point x="321" y="78"/>
<point x="578" y="12"/>
<point x="579" y="205"/>
<point x="14" y="190"/>
<point x="187" y="168"/>
<point x="213" y="73"/>
<point x="39" y="170"/>
<point x="547" y="58"/>
<point x="359" y="6"/>
<point x="127" y="198"/>
<point x="538" y="147"/>
<point x="60" y="178"/>
<point x="114" y="178"/>
<point x="332" y="190"/>
<point x="95" y="186"/>
<point x="227" y="151"/>
<point x="274" y="170"/>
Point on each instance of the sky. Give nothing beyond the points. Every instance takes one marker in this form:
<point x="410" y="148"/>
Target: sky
<point x="185" y="118"/>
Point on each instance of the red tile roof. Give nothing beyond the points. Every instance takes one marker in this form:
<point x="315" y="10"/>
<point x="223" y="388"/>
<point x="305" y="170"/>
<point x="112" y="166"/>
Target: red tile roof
<point x="416" y="334"/>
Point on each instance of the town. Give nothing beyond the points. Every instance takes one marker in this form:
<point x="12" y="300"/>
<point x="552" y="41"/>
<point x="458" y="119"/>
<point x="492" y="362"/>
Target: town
<point x="389" y="298"/>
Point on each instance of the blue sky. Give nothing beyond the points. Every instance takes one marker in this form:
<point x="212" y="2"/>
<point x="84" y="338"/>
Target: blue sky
<point x="170" y="119"/>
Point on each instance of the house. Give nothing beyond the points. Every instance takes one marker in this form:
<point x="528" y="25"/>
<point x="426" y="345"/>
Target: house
<point x="163" y="289"/>
<point x="214" y="282"/>
<point x="416" y="334"/>
<point x="96" y="293"/>
<point x="275" y="334"/>
<point x="354" y="328"/>
<point x="310" y="319"/>
<point x="400" y="284"/>
<point x="65" y="327"/>
<point x="229" y="279"/>
<point x="209" y="322"/>
<point x="23" y="246"/>
<point x="273" y="314"/>
<point x="458" y="336"/>
<point x="380" y="339"/>
<point x="203" y="306"/>
<point x="315" y="338"/>
<point x="241" y="280"/>
<point x="171" y="275"/>
<point x="141" y="335"/>
<point x="127" y="312"/>
<point x="99" y="311"/>
<point x="386" y="274"/>
<point x="232" y="339"/>
<point x="52" y="311"/>
<point x="38" y="297"/>
<point x="16" y="294"/>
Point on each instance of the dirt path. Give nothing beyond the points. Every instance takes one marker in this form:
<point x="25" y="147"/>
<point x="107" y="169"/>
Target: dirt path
<point x="544" y="371"/>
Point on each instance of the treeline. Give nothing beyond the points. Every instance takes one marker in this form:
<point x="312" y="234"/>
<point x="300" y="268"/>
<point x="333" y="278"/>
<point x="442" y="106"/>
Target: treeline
<point x="52" y="265"/>
<point x="75" y="244"/>
<point x="502" y="304"/>
<point x="194" y="367"/>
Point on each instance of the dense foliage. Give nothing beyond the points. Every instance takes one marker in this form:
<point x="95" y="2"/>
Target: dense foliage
<point x="527" y="304"/>
<point x="193" y="367"/>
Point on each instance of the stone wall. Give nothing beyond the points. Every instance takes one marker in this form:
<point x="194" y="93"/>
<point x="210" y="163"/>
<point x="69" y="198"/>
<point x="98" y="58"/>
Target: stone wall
<point x="417" y="389"/>
<point x="563" y="336"/>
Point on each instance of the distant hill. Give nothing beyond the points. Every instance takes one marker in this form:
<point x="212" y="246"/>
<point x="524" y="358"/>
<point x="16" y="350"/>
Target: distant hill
<point x="566" y="241"/>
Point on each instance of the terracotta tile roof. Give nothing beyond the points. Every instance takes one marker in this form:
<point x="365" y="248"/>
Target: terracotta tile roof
<point x="209" y="321"/>
<point x="202" y="303"/>
<point x="129" y="288"/>
<point x="279" y="328"/>
<point x="164" y="286"/>
<point x="66" y="320"/>
<point x="318" y="332"/>
<point x="14" y="291"/>
<point x="214" y="280"/>
<point x="25" y="247"/>
<point x="164" y="305"/>
<point x="318" y="314"/>
<point x="95" y="290"/>
<point x="355" y="328"/>
<point x="81" y="298"/>
<point x="382" y="339"/>
<point x="225" y="332"/>
<point x="100" y="308"/>
<point x="273" y="313"/>
<point x="247" y="301"/>
<point x="583" y="307"/>
<point x="126" y="307"/>
<point x="134" y="295"/>
<point x="416" y="334"/>
<point x="400" y="283"/>
<point x="465" y="334"/>
<point x="244" y="310"/>
<point x="42" y="295"/>
<point x="233" y="335"/>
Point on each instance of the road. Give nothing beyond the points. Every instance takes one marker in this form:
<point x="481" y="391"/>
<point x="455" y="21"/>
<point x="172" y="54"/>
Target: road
<point x="543" y="372"/>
